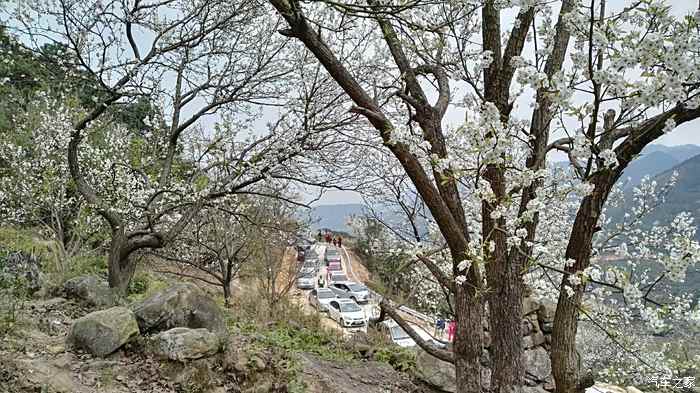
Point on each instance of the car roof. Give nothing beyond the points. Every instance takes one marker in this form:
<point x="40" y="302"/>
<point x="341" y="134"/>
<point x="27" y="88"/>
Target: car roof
<point x="345" y="300"/>
<point x="324" y="290"/>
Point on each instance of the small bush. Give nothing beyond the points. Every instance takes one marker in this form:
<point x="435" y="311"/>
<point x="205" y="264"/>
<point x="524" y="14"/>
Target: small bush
<point x="401" y="359"/>
<point x="143" y="285"/>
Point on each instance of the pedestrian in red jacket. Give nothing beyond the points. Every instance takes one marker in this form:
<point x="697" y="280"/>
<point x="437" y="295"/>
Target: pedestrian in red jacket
<point x="451" y="330"/>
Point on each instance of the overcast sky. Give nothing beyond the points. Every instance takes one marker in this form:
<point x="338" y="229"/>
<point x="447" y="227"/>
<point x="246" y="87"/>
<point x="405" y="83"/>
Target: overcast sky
<point x="688" y="133"/>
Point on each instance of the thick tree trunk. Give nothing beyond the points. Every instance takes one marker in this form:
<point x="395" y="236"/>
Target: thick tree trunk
<point x="565" y="360"/>
<point x="468" y="344"/>
<point x="120" y="265"/>
<point x="505" y="320"/>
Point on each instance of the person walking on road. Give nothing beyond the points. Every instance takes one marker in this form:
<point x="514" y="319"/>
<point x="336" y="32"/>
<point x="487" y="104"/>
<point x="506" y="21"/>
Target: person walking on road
<point x="439" y="327"/>
<point x="328" y="237"/>
<point x="319" y="237"/>
<point x="451" y="328"/>
<point x="335" y="242"/>
<point x="340" y="242"/>
<point x="321" y="281"/>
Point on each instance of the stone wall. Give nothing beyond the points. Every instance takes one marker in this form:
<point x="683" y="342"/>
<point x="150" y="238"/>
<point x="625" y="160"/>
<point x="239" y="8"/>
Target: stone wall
<point x="538" y="318"/>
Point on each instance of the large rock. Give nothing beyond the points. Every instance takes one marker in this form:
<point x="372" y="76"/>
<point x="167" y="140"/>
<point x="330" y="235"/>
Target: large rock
<point x="103" y="332"/>
<point x="185" y="344"/>
<point x="537" y="364"/>
<point x="547" y="310"/>
<point x="436" y="372"/>
<point x="530" y="305"/>
<point x="91" y="290"/>
<point x="181" y="305"/>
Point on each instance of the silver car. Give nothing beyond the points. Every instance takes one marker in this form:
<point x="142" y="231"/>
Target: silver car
<point x="309" y="268"/>
<point x="306" y="281"/>
<point x="352" y="290"/>
<point x="337" y="277"/>
<point x="320" y="298"/>
<point x="332" y="255"/>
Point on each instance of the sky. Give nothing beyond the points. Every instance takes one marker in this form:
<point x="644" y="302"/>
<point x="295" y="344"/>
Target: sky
<point x="688" y="133"/>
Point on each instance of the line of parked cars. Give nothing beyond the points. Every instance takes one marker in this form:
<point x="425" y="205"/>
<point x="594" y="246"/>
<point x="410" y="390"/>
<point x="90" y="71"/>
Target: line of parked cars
<point x="340" y="297"/>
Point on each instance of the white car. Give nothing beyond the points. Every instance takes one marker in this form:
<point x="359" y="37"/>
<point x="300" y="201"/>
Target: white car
<point x="401" y="338"/>
<point x="309" y="267"/>
<point x="320" y="297"/>
<point x="351" y="290"/>
<point x="347" y="313"/>
<point x="337" y="277"/>
<point x="306" y="281"/>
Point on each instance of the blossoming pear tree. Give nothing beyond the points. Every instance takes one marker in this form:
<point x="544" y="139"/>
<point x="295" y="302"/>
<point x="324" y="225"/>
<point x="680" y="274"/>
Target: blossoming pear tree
<point x="594" y="81"/>
<point x="209" y="66"/>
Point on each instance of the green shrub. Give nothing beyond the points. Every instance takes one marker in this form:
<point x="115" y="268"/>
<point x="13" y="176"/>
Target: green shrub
<point x="143" y="285"/>
<point x="400" y="358"/>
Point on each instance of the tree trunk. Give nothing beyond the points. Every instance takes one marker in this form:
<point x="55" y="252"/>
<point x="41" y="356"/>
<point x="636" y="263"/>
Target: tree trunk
<point x="565" y="360"/>
<point x="505" y="320"/>
<point x="467" y="342"/>
<point x="227" y="294"/>
<point x="120" y="265"/>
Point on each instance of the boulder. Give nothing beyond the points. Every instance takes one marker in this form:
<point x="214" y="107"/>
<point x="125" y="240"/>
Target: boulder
<point x="533" y="340"/>
<point x="181" y="305"/>
<point x="530" y="305"/>
<point x="436" y="372"/>
<point x="91" y="290"/>
<point x="185" y="344"/>
<point x="103" y="332"/>
<point x="537" y="364"/>
<point x="546" y="311"/>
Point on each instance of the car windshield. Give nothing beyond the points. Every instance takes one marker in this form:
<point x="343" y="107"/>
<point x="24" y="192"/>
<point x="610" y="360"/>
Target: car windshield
<point x="307" y="275"/>
<point x="399" y="334"/>
<point x="349" y="307"/>
<point x="357" y="287"/>
<point x="325" y="295"/>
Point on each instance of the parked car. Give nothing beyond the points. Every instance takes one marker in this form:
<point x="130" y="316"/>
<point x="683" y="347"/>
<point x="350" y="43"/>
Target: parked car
<point x="337" y="277"/>
<point x="332" y="255"/>
<point x="306" y="281"/>
<point x="399" y="336"/>
<point x="334" y="267"/>
<point x="311" y="254"/>
<point x="352" y="290"/>
<point x="347" y="313"/>
<point x="309" y="267"/>
<point x="320" y="298"/>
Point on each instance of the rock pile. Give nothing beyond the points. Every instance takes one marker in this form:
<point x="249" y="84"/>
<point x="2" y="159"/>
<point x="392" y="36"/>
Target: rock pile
<point x="189" y="322"/>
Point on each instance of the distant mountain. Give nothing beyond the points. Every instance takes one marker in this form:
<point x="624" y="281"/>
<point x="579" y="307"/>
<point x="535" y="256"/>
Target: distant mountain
<point x="334" y="216"/>
<point x="656" y="159"/>
<point x="684" y="196"/>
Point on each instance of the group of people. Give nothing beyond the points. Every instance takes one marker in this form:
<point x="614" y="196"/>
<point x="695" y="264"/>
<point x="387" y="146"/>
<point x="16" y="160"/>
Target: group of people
<point x="441" y="325"/>
<point x="335" y="240"/>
